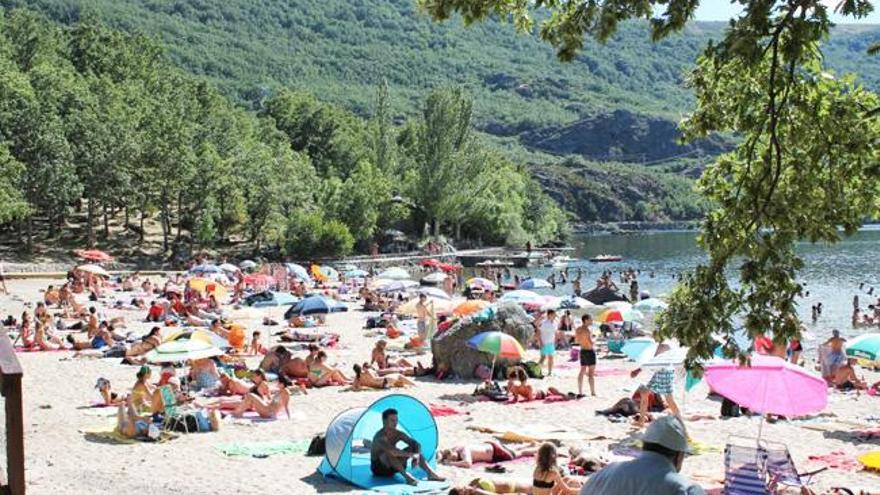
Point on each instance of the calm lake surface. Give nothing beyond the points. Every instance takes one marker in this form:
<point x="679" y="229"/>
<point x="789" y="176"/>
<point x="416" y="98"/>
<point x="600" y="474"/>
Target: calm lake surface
<point x="832" y="273"/>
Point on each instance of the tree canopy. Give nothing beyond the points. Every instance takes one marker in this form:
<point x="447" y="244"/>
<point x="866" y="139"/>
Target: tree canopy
<point x="806" y="167"/>
<point x="98" y="119"/>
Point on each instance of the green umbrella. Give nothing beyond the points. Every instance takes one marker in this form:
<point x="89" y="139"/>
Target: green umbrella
<point x="865" y="346"/>
<point x="182" y="350"/>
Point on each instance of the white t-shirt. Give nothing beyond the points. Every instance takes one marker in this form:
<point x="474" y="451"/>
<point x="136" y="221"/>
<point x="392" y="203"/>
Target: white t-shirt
<point x="548" y="331"/>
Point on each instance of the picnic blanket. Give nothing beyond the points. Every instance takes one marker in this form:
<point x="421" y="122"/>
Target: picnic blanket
<point x="262" y="449"/>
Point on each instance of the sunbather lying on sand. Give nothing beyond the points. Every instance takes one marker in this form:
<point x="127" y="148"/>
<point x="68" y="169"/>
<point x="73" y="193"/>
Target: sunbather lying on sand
<point x="484" y="486"/>
<point x="266" y="408"/>
<point x="364" y="377"/>
<point x="110" y="397"/>
<point x="630" y="406"/>
<point x="518" y="388"/>
<point x="381" y="360"/>
<point x="492" y="451"/>
<point x="321" y="375"/>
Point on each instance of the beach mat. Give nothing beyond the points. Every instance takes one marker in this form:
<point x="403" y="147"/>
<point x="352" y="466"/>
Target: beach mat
<point x="438" y="410"/>
<point x="530" y="434"/>
<point x="262" y="449"/>
<point x="361" y="476"/>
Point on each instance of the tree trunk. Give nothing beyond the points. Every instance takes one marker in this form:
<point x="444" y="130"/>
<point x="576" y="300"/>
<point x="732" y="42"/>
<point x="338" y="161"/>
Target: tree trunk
<point x="53" y="230"/>
<point x="457" y="230"/>
<point x="90" y="231"/>
<point x="436" y="228"/>
<point x="179" y="213"/>
<point x="166" y="224"/>
<point x="141" y="233"/>
<point x="106" y="223"/>
<point x="30" y="235"/>
<point x="126" y="217"/>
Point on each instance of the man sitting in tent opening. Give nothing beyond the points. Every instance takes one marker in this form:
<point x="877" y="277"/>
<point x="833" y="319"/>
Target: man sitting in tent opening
<point x="387" y="460"/>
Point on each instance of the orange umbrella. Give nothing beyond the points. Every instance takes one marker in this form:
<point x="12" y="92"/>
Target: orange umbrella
<point x="207" y="286"/>
<point x="470" y="307"/>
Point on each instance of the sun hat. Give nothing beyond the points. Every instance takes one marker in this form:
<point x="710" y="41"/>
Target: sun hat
<point x="668" y="431"/>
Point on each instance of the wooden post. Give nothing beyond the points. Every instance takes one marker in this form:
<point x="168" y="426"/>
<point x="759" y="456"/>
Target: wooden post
<point x="10" y="387"/>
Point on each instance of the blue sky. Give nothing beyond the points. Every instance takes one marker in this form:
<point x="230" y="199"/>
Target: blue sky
<point x="722" y="10"/>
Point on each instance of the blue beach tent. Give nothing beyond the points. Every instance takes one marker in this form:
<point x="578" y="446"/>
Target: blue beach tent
<point x="348" y="455"/>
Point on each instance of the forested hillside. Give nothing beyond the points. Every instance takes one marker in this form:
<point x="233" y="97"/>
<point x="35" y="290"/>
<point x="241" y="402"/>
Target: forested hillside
<point x="101" y="137"/>
<point x="616" y="103"/>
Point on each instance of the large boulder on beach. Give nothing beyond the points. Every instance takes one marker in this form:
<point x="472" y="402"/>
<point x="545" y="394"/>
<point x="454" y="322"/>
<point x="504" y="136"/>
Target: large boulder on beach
<point x="451" y="350"/>
<point x="602" y="295"/>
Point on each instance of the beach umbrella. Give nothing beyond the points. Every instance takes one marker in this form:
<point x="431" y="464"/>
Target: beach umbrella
<point x="619" y="315"/>
<point x="498" y="344"/>
<point x="865" y="346"/>
<point x="205" y="268"/>
<point x="315" y="305"/>
<point x="469" y="307"/>
<point x="671" y="358"/>
<point x="481" y="283"/>
<point x="621" y="305"/>
<point x="441" y="306"/>
<point x="434" y="292"/>
<point x="207" y="286"/>
<point x="329" y="272"/>
<point x="346" y="267"/>
<point x="270" y="298"/>
<point x="229" y="268"/>
<point x="770" y="385"/>
<point x="534" y="283"/>
<point x="447" y="267"/>
<point x="297" y="271"/>
<point x="871" y="460"/>
<point x="434" y="278"/>
<point x="182" y="350"/>
<point x="433" y="263"/>
<point x="205" y="336"/>
<point x="397" y="286"/>
<point x="639" y="347"/>
<point x="574" y="302"/>
<point x="94" y="270"/>
<point x="356" y="273"/>
<point x="394" y="273"/>
<point x="521" y="297"/>
<point x="247" y="265"/>
<point x="93" y="255"/>
<point x="651" y="304"/>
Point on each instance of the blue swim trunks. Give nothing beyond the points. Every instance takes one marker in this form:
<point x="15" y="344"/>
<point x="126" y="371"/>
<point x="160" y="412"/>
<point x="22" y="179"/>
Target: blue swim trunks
<point x="548" y="349"/>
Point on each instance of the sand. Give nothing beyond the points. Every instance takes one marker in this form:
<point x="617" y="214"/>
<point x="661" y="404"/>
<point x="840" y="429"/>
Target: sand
<point x="62" y="459"/>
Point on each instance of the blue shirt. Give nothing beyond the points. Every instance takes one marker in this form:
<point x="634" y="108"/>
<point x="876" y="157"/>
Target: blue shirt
<point x="648" y="474"/>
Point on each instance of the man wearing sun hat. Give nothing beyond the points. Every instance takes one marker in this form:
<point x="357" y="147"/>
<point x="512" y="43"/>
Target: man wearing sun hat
<point x="655" y="471"/>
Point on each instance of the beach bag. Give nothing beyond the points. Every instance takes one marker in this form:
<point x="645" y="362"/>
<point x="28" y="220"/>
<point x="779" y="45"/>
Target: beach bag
<point x="317" y="446"/>
<point x="533" y="369"/>
<point x="730" y="409"/>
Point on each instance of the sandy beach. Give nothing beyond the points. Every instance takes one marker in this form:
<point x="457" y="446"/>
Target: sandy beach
<point x="62" y="458"/>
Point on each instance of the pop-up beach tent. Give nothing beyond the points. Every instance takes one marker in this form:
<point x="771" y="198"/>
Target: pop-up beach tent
<point x="349" y="434"/>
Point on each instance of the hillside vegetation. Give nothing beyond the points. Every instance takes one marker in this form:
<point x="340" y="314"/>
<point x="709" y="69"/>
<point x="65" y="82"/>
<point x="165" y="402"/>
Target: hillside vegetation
<point x="615" y="103"/>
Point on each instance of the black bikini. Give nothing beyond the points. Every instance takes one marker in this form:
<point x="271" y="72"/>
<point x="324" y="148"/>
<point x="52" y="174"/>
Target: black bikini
<point x="543" y="484"/>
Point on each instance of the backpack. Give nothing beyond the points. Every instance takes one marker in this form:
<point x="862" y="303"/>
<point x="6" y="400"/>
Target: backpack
<point x="533" y="369"/>
<point x="317" y="446"/>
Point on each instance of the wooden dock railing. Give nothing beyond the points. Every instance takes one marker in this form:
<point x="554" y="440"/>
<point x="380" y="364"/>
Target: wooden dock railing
<point x="10" y="388"/>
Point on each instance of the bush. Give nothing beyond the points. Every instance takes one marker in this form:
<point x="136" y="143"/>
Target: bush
<point x="308" y="235"/>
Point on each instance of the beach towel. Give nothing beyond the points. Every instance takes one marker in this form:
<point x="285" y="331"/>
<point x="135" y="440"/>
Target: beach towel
<point x="438" y="410"/>
<point x="108" y="434"/>
<point x="866" y="435"/>
<point x="262" y="449"/>
<point x="529" y="434"/>
<point x="836" y="460"/>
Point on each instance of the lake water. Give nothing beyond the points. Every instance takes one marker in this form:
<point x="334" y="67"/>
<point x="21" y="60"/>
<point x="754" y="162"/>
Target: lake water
<point x="832" y="273"/>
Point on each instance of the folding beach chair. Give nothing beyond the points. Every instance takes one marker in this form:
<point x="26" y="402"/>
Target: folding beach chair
<point x="172" y="410"/>
<point x="781" y="468"/>
<point x="744" y="470"/>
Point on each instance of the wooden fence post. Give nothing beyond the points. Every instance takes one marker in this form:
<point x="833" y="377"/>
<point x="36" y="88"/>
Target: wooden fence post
<point x="10" y="387"/>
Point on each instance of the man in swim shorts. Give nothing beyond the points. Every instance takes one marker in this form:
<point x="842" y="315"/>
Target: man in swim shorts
<point x="584" y="339"/>
<point x="492" y="452"/>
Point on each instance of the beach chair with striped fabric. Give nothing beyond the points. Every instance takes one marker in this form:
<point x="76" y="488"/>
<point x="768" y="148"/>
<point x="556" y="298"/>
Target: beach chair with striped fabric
<point x="172" y="410"/>
<point x="781" y="468"/>
<point x="744" y="470"/>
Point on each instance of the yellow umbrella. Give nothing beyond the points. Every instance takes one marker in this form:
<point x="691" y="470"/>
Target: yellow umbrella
<point x="207" y="286"/>
<point x="470" y="307"/>
<point x="871" y="460"/>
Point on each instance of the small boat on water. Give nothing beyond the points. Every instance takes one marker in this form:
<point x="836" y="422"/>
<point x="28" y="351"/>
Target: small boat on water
<point x="606" y="258"/>
<point x="495" y="263"/>
<point x="559" y="261"/>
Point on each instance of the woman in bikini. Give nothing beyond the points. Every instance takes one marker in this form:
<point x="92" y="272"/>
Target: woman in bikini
<point x="518" y="387"/>
<point x="142" y="392"/>
<point x="547" y="478"/>
<point x="321" y="375"/>
<point x="261" y="400"/>
<point x="367" y="378"/>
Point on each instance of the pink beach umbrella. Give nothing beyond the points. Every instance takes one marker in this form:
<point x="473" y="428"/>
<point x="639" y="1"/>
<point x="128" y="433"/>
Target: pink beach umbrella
<point x="770" y="385"/>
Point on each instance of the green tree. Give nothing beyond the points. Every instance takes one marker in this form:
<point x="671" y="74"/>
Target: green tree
<point x="806" y="167"/>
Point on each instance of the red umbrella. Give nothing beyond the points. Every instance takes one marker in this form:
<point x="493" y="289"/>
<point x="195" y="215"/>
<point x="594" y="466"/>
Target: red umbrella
<point x="259" y="279"/>
<point x="93" y="255"/>
<point x="447" y="267"/>
<point x="431" y="262"/>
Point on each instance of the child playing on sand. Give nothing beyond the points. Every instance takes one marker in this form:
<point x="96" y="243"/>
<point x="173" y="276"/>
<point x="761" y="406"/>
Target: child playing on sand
<point x="256" y="347"/>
